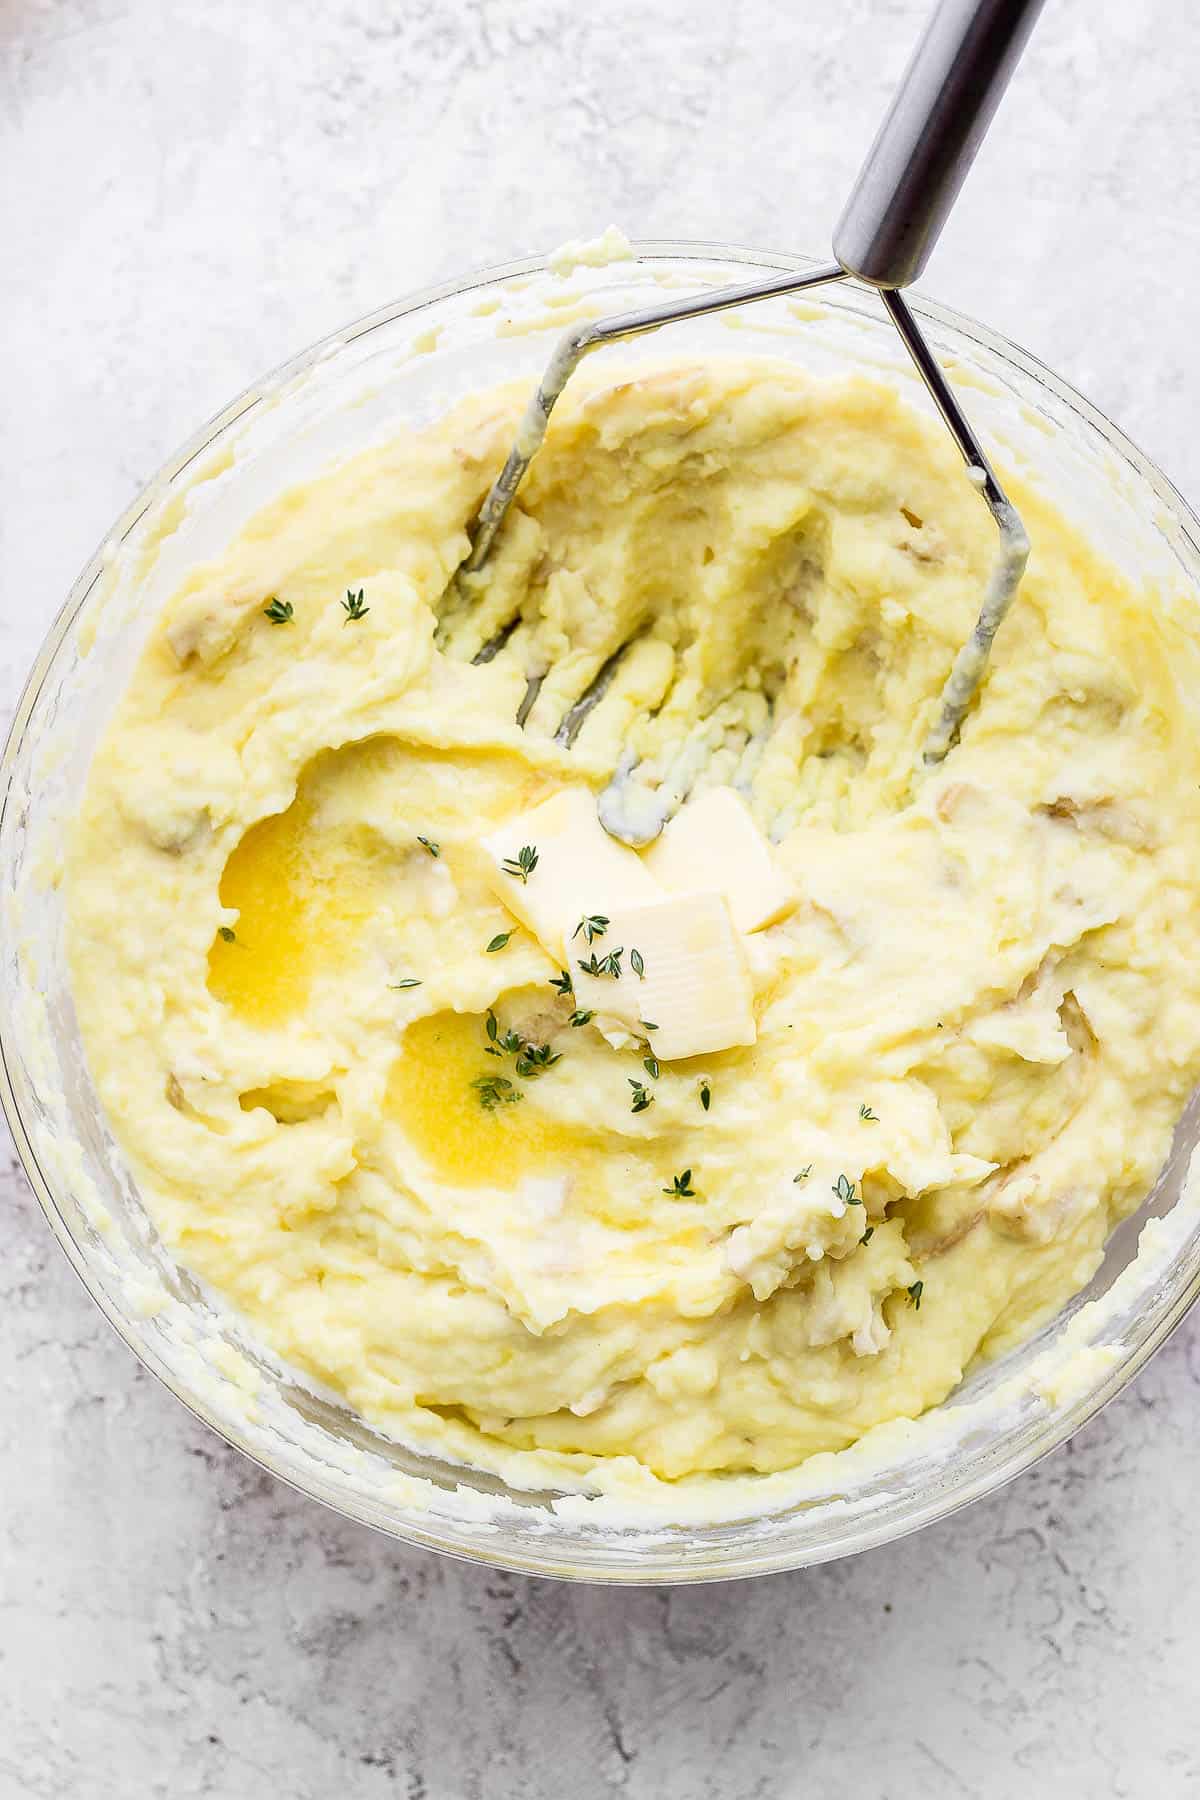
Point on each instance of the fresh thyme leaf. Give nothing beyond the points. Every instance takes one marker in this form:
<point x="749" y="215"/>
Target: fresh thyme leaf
<point x="705" y="1095"/>
<point x="494" y="1091"/>
<point x="592" y="925"/>
<point x="650" y="1064"/>
<point x="535" y="1059"/>
<point x="410" y="981"/>
<point x="434" y="850"/>
<point x="681" y="1187"/>
<point x="637" y="964"/>
<point x="228" y="933"/>
<point x="354" y="606"/>
<point x="522" y="865"/>
<point x="845" y="1189"/>
<point x="498" y="942"/>
<point x="510" y="1044"/>
<point x="647" y="1026"/>
<point x="867" y="1235"/>
<point x="280" y="612"/>
<point x="563" y="982"/>
<point x="865" y="1113"/>
<point x="914" y="1294"/>
<point x="604" y="965"/>
<point x="804" y="1174"/>
<point x="642" y="1098"/>
<point x="581" y="1018"/>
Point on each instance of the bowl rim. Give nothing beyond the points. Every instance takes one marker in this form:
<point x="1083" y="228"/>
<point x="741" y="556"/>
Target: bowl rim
<point x="995" y="1469"/>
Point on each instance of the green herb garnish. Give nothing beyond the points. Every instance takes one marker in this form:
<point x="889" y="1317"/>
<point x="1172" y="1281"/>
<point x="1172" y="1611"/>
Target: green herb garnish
<point x="522" y="864"/>
<point x="867" y="1235"/>
<point x="637" y="964"/>
<point x="511" y="1043"/>
<point x="563" y="982"/>
<point x="604" y="965"/>
<point x="914" y="1294"/>
<point x="581" y="1018"/>
<point x="647" y="1026"/>
<point x="498" y="942"/>
<point x="494" y="1091"/>
<point x="642" y="1098"/>
<point x="705" y="1095"/>
<point x="651" y="1066"/>
<point x="410" y="981"/>
<point x="804" y="1174"/>
<point x="845" y="1190"/>
<point x="535" y="1059"/>
<point x="681" y="1187"/>
<point x="227" y="933"/>
<point x="354" y="606"/>
<point x="435" y="850"/>
<point x="592" y="925"/>
<point x="865" y="1113"/>
<point x="279" y="612"/>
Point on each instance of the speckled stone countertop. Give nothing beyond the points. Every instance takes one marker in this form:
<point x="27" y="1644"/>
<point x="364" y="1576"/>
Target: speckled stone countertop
<point x="191" y="190"/>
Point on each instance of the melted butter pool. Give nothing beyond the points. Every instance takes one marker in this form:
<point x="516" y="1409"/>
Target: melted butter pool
<point x="303" y="895"/>
<point x="431" y="1097"/>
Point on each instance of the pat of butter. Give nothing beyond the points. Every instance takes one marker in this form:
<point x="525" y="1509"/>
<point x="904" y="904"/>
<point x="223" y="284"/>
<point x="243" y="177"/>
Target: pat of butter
<point x="579" y="868"/>
<point x="681" y="968"/>
<point x="712" y="845"/>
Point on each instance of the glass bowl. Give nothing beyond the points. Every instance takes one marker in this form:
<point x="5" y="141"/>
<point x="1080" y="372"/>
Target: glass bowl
<point x="408" y="362"/>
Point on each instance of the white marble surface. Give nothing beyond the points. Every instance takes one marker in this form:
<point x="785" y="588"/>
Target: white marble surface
<point x="190" y="189"/>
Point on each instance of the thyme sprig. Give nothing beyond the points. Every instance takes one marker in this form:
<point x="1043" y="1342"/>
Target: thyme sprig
<point x="511" y="1043"/>
<point x="681" y="1187"/>
<point x="280" y="612"/>
<point x="494" y="1091"/>
<point x="592" y="925"/>
<point x="535" y="1059"/>
<point x="847" y="1191"/>
<point x="354" y="606"/>
<point x="604" y="965"/>
<point x="522" y="864"/>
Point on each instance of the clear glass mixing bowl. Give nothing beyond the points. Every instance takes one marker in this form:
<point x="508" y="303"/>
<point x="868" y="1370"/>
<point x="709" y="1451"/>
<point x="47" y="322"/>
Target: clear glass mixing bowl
<point x="407" y="363"/>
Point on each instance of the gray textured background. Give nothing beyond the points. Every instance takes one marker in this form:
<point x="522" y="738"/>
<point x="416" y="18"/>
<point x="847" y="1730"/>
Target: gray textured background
<point x="190" y="190"/>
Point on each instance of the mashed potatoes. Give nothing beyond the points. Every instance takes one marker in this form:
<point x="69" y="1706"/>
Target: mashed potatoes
<point x="365" y="1102"/>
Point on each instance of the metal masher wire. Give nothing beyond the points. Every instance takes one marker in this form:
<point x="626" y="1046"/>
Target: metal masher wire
<point x="570" y="351"/>
<point x="887" y="231"/>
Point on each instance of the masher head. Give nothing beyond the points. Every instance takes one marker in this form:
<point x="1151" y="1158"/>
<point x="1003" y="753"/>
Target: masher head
<point x="632" y="807"/>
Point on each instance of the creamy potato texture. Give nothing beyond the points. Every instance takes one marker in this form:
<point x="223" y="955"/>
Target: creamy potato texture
<point x="310" y="1014"/>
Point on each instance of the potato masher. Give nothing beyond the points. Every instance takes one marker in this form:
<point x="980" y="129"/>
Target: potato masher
<point x="890" y="224"/>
